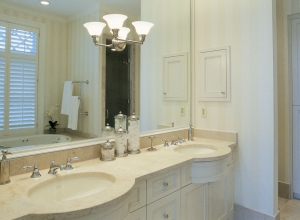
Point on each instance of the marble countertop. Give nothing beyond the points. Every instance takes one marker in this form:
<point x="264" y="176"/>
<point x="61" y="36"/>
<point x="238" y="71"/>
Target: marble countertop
<point x="14" y="202"/>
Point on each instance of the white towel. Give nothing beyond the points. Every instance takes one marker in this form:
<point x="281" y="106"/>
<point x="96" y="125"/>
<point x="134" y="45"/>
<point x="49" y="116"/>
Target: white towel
<point x="73" y="112"/>
<point x="67" y="93"/>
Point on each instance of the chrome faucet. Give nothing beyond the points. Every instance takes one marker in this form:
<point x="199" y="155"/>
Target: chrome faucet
<point x="181" y="140"/>
<point x="54" y="167"/>
<point x="166" y="144"/>
<point x="174" y="141"/>
<point x="69" y="165"/>
<point x="35" y="172"/>
<point x="4" y="168"/>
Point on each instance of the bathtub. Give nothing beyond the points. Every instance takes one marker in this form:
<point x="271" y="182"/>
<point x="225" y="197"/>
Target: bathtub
<point x="19" y="143"/>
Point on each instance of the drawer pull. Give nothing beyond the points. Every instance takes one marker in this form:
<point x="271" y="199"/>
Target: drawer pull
<point x="166" y="216"/>
<point x="166" y="184"/>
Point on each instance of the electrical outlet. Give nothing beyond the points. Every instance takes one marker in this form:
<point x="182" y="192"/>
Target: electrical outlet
<point x="203" y="112"/>
<point x="182" y="111"/>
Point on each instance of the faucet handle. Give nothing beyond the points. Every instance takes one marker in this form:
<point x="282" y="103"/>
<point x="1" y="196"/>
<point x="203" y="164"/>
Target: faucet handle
<point x="166" y="144"/>
<point x="69" y="165"/>
<point x="35" y="173"/>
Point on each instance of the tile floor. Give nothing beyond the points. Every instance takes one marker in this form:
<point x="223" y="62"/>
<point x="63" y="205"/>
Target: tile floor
<point x="289" y="209"/>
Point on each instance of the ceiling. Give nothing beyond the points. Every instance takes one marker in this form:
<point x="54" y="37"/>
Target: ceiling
<point x="67" y="8"/>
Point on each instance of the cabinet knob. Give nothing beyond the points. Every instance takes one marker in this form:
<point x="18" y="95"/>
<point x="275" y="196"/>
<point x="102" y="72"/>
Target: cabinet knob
<point x="166" y="216"/>
<point x="223" y="93"/>
<point x="166" y="184"/>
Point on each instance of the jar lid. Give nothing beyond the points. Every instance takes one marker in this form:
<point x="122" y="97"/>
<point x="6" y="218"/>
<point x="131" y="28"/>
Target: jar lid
<point x="107" y="145"/>
<point x="120" y="116"/>
<point x="133" y="117"/>
<point x="107" y="128"/>
<point x="120" y="130"/>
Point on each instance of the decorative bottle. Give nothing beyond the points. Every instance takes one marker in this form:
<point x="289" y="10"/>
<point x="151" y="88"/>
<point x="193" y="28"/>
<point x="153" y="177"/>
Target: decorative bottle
<point x="134" y="134"/>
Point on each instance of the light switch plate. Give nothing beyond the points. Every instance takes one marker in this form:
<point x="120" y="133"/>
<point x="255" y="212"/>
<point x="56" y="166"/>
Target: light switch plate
<point x="203" y="111"/>
<point x="182" y="111"/>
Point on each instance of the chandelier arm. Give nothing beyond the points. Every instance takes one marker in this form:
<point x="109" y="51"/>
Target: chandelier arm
<point x="104" y="45"/>
<point x="130" y="41"/>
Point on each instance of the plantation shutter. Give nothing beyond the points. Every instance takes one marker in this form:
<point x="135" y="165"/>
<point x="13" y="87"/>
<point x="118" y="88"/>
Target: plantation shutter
<point x="23" y="79"/>
<point x="18" y="79"/>
<point x="2" y="74"/>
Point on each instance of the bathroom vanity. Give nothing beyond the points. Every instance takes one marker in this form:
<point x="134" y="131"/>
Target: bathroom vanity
<point x="189" y="181"/>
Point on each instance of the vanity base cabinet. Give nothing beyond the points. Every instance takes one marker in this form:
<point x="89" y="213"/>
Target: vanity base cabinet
<point x="171" y="197"/>
<point x="140" y="214"/>
<point x="193" y="200"/>
<point x="165" y="208"/>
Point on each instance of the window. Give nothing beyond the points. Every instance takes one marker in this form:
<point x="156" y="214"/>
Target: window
<point x="18" y="79"/>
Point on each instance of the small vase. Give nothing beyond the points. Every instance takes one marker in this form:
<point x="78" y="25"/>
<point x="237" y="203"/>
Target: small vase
<point x="52" y="131"/>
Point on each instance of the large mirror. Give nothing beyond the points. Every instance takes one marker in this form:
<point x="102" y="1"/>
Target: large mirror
<point x="158" y="72"/>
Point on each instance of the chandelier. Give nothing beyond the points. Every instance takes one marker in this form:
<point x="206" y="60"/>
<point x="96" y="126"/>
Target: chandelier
<point x="115" y="23"/>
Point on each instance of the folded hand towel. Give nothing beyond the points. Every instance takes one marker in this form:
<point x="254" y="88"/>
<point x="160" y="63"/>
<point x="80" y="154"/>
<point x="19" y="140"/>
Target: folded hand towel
<point x="67" y="93"/>
<point x="73" y="112"/>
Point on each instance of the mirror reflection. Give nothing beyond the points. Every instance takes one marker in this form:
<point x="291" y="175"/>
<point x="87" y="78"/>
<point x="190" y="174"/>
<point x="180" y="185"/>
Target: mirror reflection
<point x="151" y="80"/>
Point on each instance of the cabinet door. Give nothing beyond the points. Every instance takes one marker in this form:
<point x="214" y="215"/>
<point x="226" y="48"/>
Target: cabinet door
<point x="218" y="197"/>
<point x="193" y="202"/>
<point x="139" y="214"/>
<point x="230" y="190"/>
<point x="137" y="198"/>
<point x="165" y="208"/>
<point x="213" y="74"/>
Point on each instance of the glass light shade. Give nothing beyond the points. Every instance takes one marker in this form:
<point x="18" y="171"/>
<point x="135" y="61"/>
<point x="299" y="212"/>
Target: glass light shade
<point x="94" y="28"/>
<point x="115" y="21"/>
<point x="123" y="32"/>
<point x="142" y="27"/>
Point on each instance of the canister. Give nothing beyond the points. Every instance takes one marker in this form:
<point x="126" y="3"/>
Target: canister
<point x="134" y="134"/>
<point x="107" y="151"/>
<point x="120" y="119"/>
<point x="121" y="142"/>
<point x="107" y="131"/>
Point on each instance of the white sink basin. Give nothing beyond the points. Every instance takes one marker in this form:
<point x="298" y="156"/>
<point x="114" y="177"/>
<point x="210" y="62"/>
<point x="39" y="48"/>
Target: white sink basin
<point x="73" y="186"/>
<point x="195" y="149"/>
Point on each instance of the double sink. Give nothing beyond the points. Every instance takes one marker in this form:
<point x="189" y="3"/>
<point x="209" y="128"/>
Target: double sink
<point x="78" y="185"/>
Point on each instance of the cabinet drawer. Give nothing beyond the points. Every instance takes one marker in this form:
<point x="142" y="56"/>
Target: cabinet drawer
<point x="162" y="185"/>
<point x="137" y="198"/>
<point x="165" y="208"/>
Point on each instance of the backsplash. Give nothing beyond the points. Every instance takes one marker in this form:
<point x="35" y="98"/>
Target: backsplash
<point x="93" y="152"/>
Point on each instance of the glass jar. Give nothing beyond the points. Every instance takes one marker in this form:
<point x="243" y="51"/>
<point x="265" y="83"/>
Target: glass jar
<point x="121" y="142"/>
<point x="120" y="119"/>
<point x="107" y="131"/>
<point x="107" y="151"/>
<point x="134" y="134"/>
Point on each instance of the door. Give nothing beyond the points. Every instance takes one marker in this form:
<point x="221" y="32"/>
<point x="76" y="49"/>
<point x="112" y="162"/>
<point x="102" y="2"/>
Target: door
<point x="117" y="90"/>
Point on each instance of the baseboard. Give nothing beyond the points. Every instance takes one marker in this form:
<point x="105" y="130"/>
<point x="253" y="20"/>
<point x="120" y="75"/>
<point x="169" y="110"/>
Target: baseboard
<point x="284" y="190"/>
<point x="243" y="213"/>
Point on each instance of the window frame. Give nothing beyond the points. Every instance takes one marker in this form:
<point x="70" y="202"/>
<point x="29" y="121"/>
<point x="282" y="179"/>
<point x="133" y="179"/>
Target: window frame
<point x="40" y="70"/>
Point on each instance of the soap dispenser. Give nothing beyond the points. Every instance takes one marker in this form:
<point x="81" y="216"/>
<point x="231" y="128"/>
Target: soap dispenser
<point x="4" y="168"/>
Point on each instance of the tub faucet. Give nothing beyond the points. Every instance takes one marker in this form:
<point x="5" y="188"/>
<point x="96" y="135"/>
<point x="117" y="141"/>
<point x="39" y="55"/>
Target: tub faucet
<point x="54" y="167"/>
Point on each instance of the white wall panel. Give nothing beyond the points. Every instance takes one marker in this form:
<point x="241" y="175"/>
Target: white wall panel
<point x="246" y="26"/>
